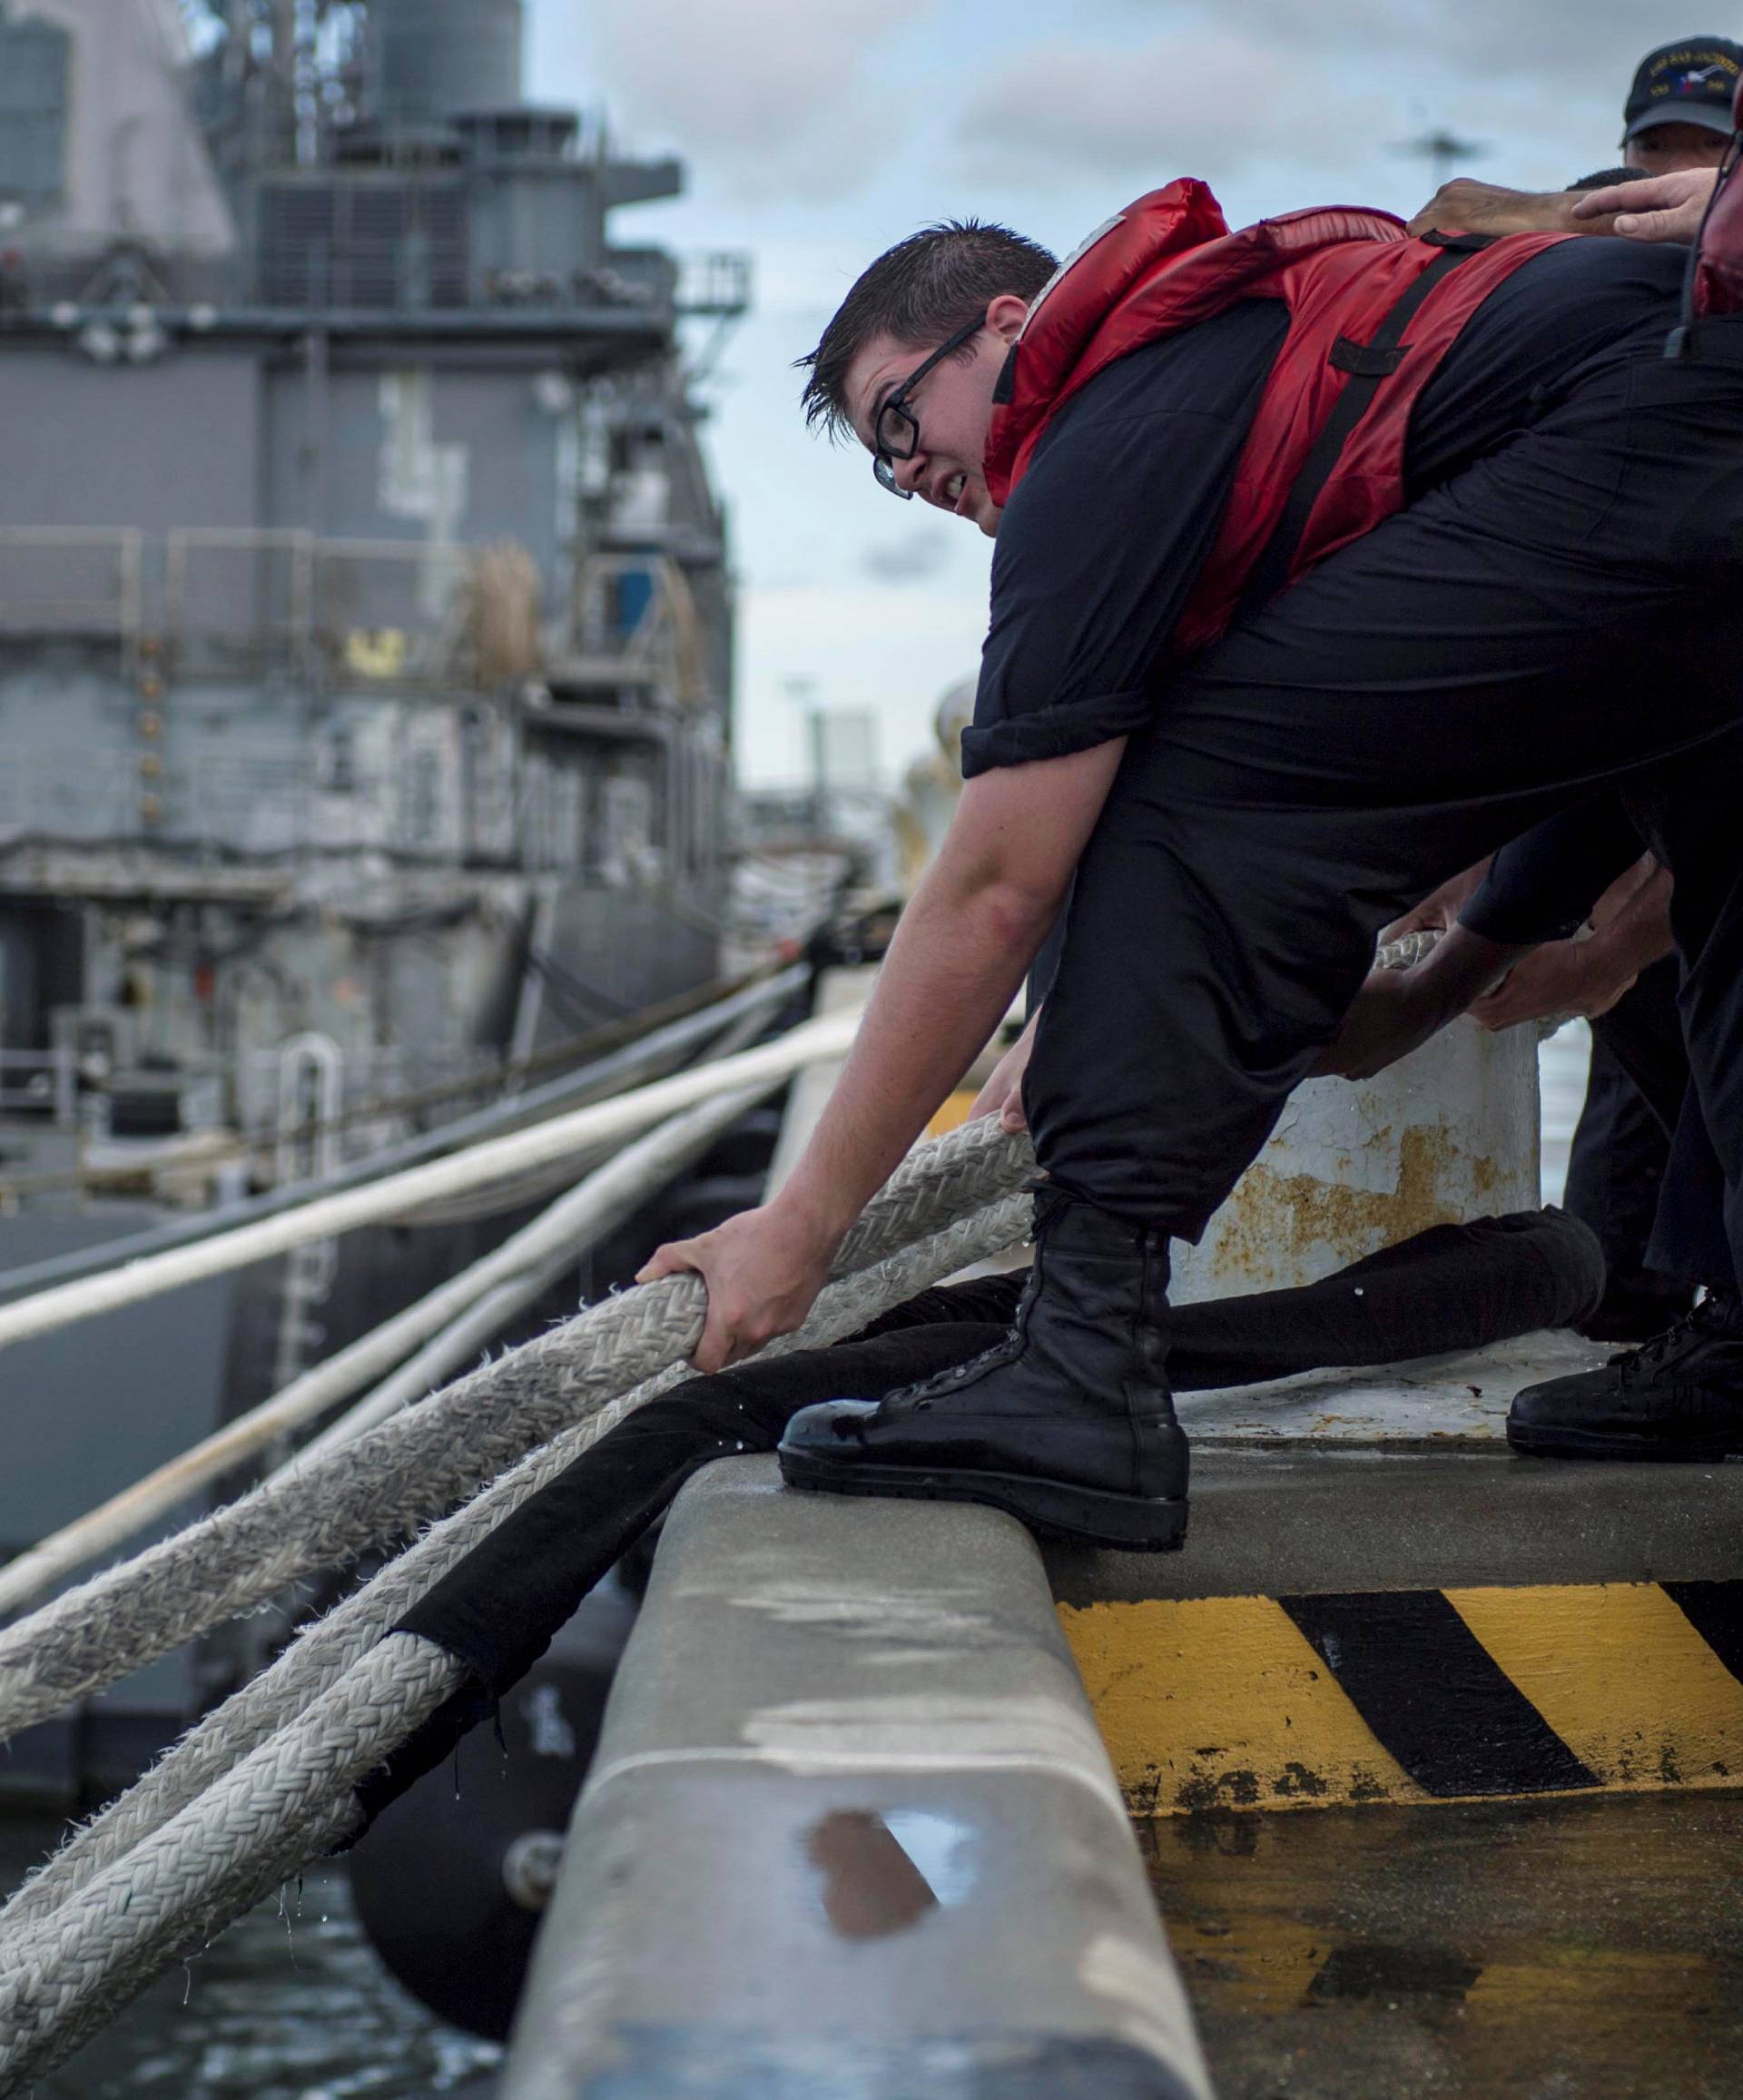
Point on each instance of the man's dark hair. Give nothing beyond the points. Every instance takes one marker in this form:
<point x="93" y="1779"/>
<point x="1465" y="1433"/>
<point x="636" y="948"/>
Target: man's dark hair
<point x="1607" y="178"/>
<point x="921" y="292"/>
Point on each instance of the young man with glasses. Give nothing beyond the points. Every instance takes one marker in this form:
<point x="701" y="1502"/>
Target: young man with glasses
<point x="1241" y="814"/>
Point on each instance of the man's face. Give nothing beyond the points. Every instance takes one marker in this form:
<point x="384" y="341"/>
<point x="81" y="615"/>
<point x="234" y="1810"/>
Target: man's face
<point x="952" y="406"/>
<point x="1667" y="148"/>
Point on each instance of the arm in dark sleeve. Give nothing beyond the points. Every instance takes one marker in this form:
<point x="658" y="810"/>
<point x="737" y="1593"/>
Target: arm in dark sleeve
<point x="1543" y="884"/>
<point x="1103" y="541"/>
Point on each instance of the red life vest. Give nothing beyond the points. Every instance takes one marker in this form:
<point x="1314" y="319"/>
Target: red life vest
<point x="1719" y="265"/>
<point x="1168" y="262"/>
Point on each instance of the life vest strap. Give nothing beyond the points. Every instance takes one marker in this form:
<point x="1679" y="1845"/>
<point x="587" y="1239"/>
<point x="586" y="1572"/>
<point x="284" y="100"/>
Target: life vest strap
<point x="1369" y="365"/>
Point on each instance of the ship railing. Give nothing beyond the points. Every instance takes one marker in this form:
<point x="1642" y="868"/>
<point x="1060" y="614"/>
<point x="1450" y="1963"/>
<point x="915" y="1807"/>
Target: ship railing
<point x="391" y="609"/>
<point x="415" y="613"/>
<point x="73" y="580"/>
<point x="635" y="625"/>
<point x="715" y="284"/>
<point x="239" y="600"/>
<point x="37" y="1082"/>
<point x="365" y="1106"/>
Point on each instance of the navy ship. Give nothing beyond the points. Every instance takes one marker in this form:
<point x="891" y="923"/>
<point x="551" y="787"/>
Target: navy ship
<point x="365" y="657"/>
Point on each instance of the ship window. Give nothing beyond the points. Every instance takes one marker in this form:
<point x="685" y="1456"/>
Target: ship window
<point x="33" y="113"/>
<point x="423" y="790"/>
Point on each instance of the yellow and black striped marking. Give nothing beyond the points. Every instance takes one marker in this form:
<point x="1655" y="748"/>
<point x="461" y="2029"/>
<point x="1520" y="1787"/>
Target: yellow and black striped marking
<point x="1416" y="1695"/>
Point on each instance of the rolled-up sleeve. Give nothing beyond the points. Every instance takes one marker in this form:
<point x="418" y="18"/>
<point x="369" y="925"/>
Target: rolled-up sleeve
<point x="1101" y="545"/>
<point x="1543" y="886"/>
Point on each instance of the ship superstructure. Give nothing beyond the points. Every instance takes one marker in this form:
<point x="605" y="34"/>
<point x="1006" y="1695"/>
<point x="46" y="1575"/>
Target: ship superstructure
<point x="365" y="654"/>
<point x="364" y="625"/>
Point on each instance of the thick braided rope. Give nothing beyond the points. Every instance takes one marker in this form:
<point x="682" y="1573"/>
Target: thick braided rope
<point x="185" y="1883"/>
<point x="433" y="1455"/>
<point x="1408" y="950"/>
<point x="330" y="1646"/>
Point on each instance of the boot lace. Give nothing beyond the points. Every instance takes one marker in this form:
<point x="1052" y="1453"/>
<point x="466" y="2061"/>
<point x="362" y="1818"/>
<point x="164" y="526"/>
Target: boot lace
<point x="1718" y="1313"/>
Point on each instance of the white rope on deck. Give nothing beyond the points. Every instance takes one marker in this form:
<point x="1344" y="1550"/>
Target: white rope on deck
<point x="577" y="1131"/>
<point x="265" y="1781"/>
<point x="185" y="1883"/>
<point x="428" y="1459"/>
<point x="513" y="1274"/>
<point x="329" y="1647"/>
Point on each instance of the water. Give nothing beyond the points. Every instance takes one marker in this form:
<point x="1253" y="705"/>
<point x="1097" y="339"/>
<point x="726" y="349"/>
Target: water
<point x="289" y="2004"/>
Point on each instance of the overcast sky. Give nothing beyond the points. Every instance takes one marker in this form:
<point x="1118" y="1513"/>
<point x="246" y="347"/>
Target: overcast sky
<point x="818" y="131"/>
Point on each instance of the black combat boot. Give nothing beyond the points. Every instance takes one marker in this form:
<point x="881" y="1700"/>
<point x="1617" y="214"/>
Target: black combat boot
<point x="1679" y="1397"/>
<point x="1068" y="1422"/>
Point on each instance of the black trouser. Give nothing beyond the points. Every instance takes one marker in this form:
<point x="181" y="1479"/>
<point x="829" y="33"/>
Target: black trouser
<point x="1453" y="1286"/>
<point x="1634" y="1092"/>
<point x="1422" y="696"/>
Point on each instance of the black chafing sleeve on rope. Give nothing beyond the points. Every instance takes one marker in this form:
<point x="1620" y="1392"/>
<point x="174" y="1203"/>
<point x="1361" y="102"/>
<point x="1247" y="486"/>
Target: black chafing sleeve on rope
<point x="499" y="1609"/>
<point x="1454" y="1286"/>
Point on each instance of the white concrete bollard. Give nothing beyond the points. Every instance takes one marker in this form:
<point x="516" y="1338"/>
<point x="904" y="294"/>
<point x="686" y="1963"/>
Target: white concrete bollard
<point x="1448" y="1133"/>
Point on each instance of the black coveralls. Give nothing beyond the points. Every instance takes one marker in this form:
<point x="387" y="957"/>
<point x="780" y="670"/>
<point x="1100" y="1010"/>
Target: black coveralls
<point x="1468" y="667"/>
<point x="1643" y="1174"/>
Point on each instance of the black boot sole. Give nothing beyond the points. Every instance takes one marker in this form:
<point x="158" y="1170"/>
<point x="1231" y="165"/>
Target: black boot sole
<point x="1543" y="1442"/>
<point x="1084" y="1515"/>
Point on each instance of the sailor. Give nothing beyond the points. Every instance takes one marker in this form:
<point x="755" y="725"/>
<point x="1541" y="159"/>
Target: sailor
<point x="1680" y="1396"/>
<point x="1677" y="118"/>
<point x="1328" y="561"/>
<point x="1620" y="975"/>
<point x="1641" y="1173"/>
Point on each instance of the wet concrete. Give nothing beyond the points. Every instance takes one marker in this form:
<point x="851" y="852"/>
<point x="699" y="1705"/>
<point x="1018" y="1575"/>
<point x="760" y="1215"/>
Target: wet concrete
<point x="1555" y="1950"/>
<point x="291" y="2004"/>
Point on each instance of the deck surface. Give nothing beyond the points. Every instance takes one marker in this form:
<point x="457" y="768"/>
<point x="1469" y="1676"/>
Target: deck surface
<point x="1433" y="1400"/>
<point x="1551" y="1950"/>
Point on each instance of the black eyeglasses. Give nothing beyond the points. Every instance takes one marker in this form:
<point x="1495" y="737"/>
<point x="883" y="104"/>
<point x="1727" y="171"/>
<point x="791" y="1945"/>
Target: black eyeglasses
<point x="895" y="435"/>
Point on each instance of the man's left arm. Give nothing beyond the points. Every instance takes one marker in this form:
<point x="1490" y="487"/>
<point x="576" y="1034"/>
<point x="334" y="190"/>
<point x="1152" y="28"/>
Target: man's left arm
<point x="961" y="948"/>
<point x="1097" y="551"/>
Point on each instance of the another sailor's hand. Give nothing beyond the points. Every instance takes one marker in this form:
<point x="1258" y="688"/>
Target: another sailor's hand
<point x="1466" y="206"/>
<point x="1387" y="1021"/>
<point x="1565" y="977"/>
<point x="1002" y="1096"/>
<point x="1656" y="208"/>
<point x="763" y="1269"/>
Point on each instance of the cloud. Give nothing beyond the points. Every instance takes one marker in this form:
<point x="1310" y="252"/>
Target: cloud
<point x="1209" y="100"/>
<point x="915" y="557"/>
<point x="905" y="652"/>
<point x="1566" y="49"/>
<point x="770" y="94"/>
<point x="1274" y="85"/>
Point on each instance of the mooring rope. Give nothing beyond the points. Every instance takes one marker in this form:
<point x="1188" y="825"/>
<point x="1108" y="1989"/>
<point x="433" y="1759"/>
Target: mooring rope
<point x="428" y="1459"/>
<point x="325" y="1650"/>
<point x="265" y="1781"/>
<point x="257" y="1825"/>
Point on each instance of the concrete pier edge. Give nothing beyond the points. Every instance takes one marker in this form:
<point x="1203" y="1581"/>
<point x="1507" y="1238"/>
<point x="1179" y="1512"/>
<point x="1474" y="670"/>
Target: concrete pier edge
<point x="852" y="1832"/>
